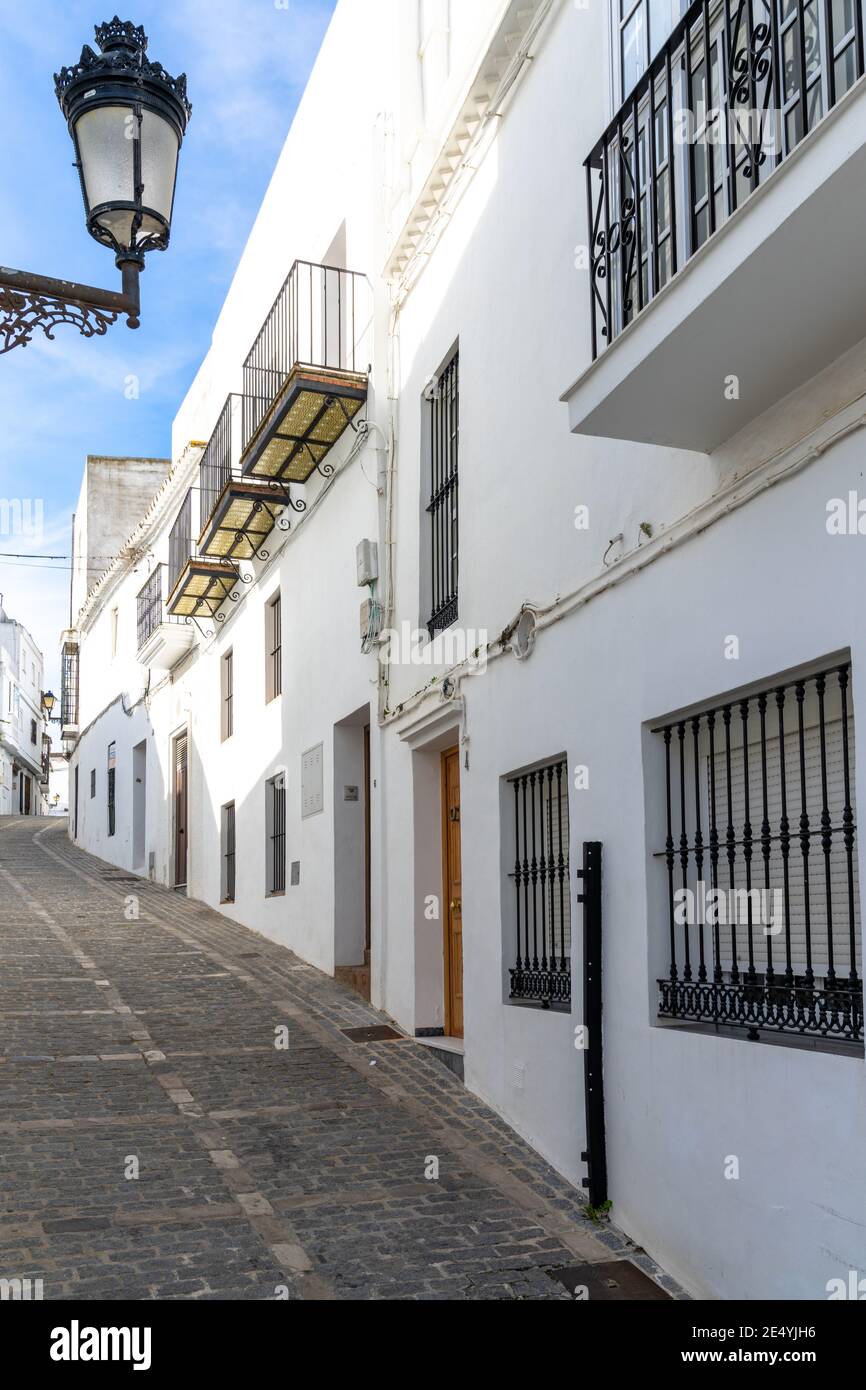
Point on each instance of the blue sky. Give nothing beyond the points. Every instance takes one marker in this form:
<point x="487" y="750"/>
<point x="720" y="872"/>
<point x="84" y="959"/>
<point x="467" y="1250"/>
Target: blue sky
<point x="247" y="62"/>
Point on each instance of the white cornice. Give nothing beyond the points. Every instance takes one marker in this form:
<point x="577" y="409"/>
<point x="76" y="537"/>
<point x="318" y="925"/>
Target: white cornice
<point x="462" y="150"/>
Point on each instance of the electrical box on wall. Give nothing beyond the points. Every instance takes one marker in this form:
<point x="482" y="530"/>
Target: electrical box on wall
<point x="367" y="558"/>
<point x="312" y="783"/>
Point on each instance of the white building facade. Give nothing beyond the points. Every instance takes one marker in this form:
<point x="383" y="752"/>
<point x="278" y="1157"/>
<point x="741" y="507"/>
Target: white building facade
<point x="24" y="743"/>
<point x="609" y="626"/>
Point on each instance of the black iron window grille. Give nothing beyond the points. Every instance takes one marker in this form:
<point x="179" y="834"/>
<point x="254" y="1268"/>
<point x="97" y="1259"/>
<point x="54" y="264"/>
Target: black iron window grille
<point x="33" y="731"/>
<point x="228" y="827"/>
<point x="762" y="883"/>
<point x="149" y="605"/>
<point x="92" y="783"/>
<point x="112" y="764"/>
<point x="228" y="695"/>
<point x="180" y="542"/>
<point x="314" y="322"/>
<point x="69" y="686"/>
<point x="542" y="974"/>
<point x="276" y="879"/>
<point x="274" y="684"/>
<point x="725" y="99"/>
<point x="444" y="417"/>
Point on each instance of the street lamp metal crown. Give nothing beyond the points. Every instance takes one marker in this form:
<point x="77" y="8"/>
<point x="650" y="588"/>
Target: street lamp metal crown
<point x="127" y="118"/>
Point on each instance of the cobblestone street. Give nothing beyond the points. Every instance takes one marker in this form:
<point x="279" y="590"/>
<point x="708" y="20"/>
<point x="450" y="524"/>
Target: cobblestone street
<point x="262" y="1172"/>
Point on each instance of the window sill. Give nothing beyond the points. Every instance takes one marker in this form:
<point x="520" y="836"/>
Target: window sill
<point x="552" y="1008"/>
<point x="280" y="893"/>
<point x="733" y="1034"/>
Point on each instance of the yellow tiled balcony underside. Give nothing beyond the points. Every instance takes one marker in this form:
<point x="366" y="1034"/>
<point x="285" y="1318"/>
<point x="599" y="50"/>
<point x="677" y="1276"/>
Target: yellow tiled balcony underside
<point x="301" y="439"/>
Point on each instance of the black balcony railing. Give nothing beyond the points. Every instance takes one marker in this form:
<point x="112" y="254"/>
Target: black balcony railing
<point x="180" y="547"/>
<point x="723" y="102"/>
<point x="761" y="860"/>
<point x="215" y="469"/>
<point x="542" y="973"/>
<point x="314" y="322"/>
<point x="149" y="605"/>
<point x="69" y="686"/>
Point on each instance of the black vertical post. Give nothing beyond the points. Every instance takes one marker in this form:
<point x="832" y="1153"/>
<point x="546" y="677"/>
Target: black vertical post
<point x="595" y="1154"/>
<point x="590" y="223"/>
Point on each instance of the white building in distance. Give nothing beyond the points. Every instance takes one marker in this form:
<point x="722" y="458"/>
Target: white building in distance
<point x="24" y="743"/>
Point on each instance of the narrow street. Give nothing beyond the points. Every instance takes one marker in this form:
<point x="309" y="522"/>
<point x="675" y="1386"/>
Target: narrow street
<point x="157" y="1142"/>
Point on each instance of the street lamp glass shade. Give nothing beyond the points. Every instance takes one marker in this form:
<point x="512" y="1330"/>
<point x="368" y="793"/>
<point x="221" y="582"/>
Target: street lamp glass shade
<point x="114" y="145"/>
<point x="48" y="701"/>
<point x="127" y="117"/>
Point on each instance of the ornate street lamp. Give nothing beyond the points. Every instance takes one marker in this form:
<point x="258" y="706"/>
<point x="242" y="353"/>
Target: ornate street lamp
<point x="127" y="118"/>
<point x="49" y="699"/>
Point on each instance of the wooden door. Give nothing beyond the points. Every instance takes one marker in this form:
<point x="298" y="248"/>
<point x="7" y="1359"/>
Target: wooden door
<point x="453" y="914"/>
<point x="180" y="810"/>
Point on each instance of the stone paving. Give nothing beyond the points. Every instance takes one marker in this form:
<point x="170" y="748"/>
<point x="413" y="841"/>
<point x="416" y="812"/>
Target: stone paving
<point x="148" y="1047"/>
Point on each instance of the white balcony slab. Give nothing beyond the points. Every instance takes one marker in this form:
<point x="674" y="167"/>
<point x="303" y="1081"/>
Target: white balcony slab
<point x="773" y="298"/>
<point x="166" y="646"/>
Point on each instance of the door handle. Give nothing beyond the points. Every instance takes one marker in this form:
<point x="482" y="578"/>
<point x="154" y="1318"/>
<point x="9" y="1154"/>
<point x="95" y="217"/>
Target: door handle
<point x="454" y="813"/>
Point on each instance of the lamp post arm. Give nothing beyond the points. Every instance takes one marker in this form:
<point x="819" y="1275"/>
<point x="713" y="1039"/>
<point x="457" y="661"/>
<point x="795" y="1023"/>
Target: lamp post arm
<point x="29" y="302"/>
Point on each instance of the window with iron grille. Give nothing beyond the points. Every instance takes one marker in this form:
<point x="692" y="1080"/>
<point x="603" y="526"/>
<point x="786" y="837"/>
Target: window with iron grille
<point x="69" y="686"/>
<point x="274" y="646"/>
<point x="536" y="817"/>
<point x="92" y="783"/>
<point x="276" y="835"/>
<point x="32" y="730"/>
<point x="228" y="853"/>
<point x="760" y="861"/>
<point x="227" y="671"/>
<point x="443" y="409"/>
<point x="149" y="607"/>
<point x="112" y="762"/>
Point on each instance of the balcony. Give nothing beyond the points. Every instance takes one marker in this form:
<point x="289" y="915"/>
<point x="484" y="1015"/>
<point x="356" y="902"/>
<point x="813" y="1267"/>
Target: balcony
<point x="197" y="586"/>
<point x="161" y="643"/>
<point x="726" y="202"/>
<point x="69" y="685"/>
<point x="238" y="514"/>
<point x="305" y="378"/>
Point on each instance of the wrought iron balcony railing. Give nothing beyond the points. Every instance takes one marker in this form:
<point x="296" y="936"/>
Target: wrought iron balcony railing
<point x="69" y="686"/>
<point x="180" y="547"/>
<point x="237" y="513"/>
<point x="150" y="607"/>
<point x="762" y="886"/>
<point x="199" y="582"/>
<point x="305" y="377"/>
<point x="215" y="469"/>
<point x="728" y="97"/>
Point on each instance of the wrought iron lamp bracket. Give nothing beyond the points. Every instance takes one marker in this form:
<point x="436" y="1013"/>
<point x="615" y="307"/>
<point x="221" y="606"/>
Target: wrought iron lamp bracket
<point x="29" y="303"/>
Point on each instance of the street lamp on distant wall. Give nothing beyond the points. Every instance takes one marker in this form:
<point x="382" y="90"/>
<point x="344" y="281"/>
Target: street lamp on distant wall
<point x="127" y="118"/>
